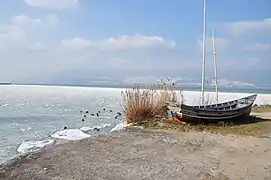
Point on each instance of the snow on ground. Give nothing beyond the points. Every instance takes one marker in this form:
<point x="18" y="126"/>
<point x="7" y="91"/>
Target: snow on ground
<point x="30" y="146"/>
<point x="85" y="129"/>
<point x="120" y="126"/>
<point x="70" y="134"/>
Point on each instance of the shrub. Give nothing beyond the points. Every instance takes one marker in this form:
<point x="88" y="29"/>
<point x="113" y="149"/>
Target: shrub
<point x="141" y="104"/>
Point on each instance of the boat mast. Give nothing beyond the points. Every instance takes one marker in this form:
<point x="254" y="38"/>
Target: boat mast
<point x="215" y="66"/>
<point x="203" y="52"/>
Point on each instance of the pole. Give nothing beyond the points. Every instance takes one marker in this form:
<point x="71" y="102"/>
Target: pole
<point x="203" y="52"/>
<point x="215" y="66"/>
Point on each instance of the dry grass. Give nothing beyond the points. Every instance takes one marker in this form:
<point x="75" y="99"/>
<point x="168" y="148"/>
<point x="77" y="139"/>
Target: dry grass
<point x="262" y="108"/>
<point x="252" y="127"/>
<point x="144" y="104"/>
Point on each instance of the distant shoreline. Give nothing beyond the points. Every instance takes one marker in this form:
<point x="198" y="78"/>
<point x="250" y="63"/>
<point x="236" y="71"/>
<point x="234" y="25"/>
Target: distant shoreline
<point x="5" y="83"/>
<point x="187" y="88"/>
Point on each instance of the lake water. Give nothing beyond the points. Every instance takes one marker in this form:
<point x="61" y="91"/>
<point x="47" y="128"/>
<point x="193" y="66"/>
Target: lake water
<point x="33" y="113"/>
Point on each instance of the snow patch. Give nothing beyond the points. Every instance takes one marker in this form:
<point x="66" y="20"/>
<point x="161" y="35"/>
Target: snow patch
<point x="70" y="134"/>
<point x="120" y="126"/>
<point x="85" y="129"/>
<point x="30" y="146"/>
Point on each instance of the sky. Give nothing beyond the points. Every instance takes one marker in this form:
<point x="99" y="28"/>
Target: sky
<point x="60" y="41"/>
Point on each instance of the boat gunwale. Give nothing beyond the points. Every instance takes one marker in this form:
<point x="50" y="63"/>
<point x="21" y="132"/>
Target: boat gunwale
<point x="229" y="103"/>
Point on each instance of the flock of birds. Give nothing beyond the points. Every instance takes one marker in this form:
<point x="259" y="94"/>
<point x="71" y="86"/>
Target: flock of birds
<point x="97" y="114"/>
<point x="85" y="113"/>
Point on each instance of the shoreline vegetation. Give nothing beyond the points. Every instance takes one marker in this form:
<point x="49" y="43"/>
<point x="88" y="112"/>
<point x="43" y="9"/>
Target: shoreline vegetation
<point x="148" y="108"/>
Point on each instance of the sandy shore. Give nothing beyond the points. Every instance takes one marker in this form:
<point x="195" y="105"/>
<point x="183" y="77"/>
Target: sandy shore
<point x="147" y="154"/>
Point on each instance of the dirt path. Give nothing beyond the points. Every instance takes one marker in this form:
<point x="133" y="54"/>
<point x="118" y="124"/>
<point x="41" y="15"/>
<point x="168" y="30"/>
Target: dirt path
<point x="265" y="115"/>
<point x="145" y="154"/>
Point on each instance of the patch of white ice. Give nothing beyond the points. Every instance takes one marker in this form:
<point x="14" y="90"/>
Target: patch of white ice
<point x="70" y="134"/>
<point x="120" y="126"/>
<point x="85" y="129"/>
<point x="4" y="105"/>
<point x="30" y="146"/>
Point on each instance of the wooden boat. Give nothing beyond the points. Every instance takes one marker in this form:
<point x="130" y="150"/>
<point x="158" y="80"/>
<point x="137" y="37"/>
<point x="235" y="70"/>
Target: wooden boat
<point x="218" y="112"/>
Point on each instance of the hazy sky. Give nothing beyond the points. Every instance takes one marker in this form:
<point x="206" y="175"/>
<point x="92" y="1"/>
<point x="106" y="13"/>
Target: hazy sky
<point x="43" y="40"/>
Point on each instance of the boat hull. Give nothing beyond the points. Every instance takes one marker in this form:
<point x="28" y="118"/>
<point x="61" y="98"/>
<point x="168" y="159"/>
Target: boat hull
<point x="241" y="108"/>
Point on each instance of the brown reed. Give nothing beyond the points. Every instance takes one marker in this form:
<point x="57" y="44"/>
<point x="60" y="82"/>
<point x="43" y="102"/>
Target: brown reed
<point x="142" y="104"/>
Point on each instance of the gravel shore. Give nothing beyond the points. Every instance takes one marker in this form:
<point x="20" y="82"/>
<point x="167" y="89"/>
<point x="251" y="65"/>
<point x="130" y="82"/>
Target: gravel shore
<point x="147" y="154"/>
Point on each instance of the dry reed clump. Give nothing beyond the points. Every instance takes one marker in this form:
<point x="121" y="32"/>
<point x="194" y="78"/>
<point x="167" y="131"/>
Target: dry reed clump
<point x="141" y="104"/>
